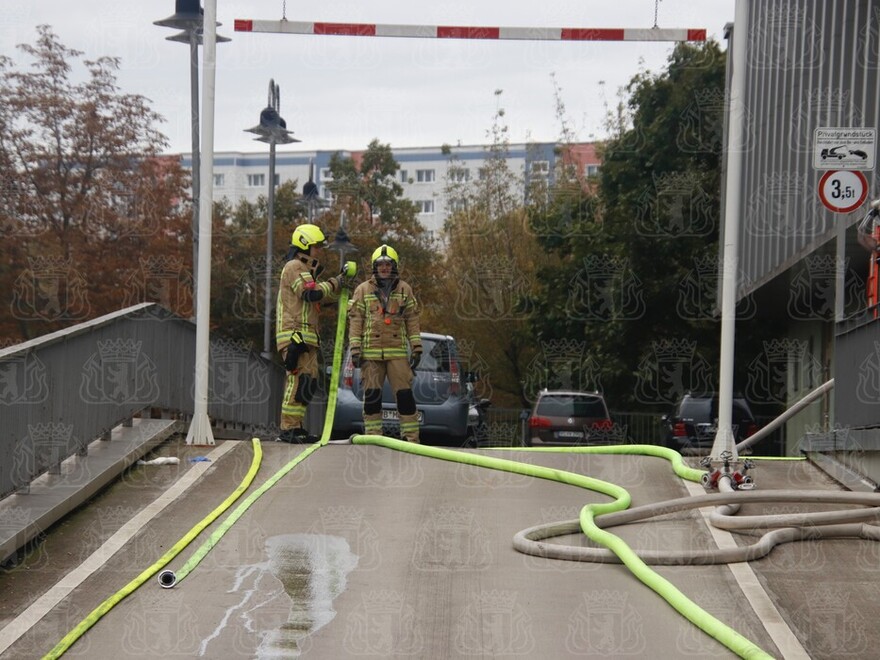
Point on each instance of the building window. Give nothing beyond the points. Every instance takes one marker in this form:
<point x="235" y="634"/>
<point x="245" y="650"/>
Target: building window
<point x="425" y="205"/>
<point x="326" y="194"/>
<point x="256" y="180"/>
<point x="219" y="180"/>
<point x="326" y="174"/>
<point x="567" y="170"/>
<point x="403" y="176"/>
<point x="459" y="174"/>
<point x="539" y="168"/>
<point x="277" y="179"/>
<point x="483" y="173"/>
<point x="592" y="170"/>
<point x="424" y="176"/>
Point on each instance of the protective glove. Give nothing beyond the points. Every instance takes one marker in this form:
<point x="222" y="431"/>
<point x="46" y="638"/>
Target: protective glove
<point x="337" y="282"/>
<point x="356" y="359"/>
<point x="296" y="348"/>
<point x="345" y="280"/>
<point x="415" y="358"/>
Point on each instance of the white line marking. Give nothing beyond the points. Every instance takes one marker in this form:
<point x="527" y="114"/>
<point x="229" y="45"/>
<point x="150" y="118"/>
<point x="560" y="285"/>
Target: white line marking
<point x="44" y="604"/>
<point x="786" y="641"/>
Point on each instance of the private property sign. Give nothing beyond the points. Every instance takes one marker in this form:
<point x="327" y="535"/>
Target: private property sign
<point x="844" y="148"/>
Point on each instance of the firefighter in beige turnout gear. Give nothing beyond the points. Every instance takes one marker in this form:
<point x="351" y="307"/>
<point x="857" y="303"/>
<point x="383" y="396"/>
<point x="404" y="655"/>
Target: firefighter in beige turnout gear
<point x="296" y="325"/>
<point x="383" y="319"/>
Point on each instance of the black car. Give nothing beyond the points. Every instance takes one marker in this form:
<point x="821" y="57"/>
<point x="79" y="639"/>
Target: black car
<point x="694" y="421"/>
<point x="441" y="398"/>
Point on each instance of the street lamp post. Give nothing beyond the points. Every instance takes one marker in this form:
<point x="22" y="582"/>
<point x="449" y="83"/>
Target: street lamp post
<point x="341" y="242"/>
<point x="272" y="129"/>
<point x="189" y="17"/>
<point x="310" y="197"/>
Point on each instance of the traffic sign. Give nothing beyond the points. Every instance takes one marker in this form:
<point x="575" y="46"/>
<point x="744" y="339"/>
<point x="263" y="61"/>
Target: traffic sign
<point x="843" y="191"/>
<point x="844" y="148"/>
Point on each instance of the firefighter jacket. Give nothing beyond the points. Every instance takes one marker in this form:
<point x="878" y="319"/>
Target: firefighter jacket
<point x="383" y="319"/>
<point x="292" y="312"/>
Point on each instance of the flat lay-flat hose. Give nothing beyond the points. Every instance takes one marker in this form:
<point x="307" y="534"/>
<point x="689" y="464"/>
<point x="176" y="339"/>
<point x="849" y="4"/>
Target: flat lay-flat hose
<point x="109" y="603"/>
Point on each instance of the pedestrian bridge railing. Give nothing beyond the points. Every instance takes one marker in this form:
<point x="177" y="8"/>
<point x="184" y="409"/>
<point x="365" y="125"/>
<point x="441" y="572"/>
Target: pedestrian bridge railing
<point x="62" y="391"/>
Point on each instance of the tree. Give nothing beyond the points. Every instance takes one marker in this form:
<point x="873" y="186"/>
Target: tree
<point x="86" y="189"/>
<point x="636" y="277"/>
<point x="368" y="187"/>
<point x="488" y="272"/>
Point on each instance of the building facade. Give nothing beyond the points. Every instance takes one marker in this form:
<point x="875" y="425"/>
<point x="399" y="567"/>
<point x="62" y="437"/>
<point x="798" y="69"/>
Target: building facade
<point x="809" y="114"/>
<point x="424" y="174"/>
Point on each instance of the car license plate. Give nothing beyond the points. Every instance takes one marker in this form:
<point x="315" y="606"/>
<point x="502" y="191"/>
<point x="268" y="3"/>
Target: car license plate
<point x="392" y="415"/>
<point x="569" y="434"/>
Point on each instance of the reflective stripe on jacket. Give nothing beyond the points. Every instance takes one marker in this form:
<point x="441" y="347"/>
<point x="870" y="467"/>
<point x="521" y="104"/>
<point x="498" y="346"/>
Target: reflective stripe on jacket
<point x="292" y="313"/>
<point x="381" y="328"/>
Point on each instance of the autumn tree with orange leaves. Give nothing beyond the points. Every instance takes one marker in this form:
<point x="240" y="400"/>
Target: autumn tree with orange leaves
<point x="93" y="218"/>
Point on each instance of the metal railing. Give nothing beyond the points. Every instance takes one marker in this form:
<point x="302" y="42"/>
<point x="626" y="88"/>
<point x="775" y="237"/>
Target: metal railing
<point x="508" y="427"/>
<point x="60" y="392"/>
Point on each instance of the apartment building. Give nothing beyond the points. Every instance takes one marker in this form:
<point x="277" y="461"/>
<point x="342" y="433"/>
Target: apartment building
<point x="425" y="172"/>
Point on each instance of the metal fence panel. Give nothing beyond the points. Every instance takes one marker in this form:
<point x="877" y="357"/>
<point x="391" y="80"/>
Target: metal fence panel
<point x="60" y="392"/>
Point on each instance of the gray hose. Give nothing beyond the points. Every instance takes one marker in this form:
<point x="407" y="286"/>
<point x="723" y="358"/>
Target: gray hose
<point x="529" y="542"/>
<point x="796" y="408"/>
<point x="796" y="527"/>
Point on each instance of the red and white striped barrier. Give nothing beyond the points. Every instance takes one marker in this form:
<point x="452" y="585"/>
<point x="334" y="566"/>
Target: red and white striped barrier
<point x="468" y="32"/>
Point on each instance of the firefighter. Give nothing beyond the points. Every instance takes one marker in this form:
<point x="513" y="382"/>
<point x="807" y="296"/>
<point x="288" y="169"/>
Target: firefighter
<point x="296" y="325"/>
<point x="383" y="320"/>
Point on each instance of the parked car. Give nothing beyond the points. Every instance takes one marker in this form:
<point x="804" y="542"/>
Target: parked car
<point x="441" y="398"/>
<point x="693" y="422"/>
<point x="561" y="417"/>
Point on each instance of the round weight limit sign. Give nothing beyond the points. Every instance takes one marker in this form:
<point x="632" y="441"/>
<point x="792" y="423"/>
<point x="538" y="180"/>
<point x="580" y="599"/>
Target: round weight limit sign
<point x="843" y="191"/>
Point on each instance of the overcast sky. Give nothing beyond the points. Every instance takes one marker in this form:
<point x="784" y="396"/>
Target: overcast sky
<point x="341" y="92"/>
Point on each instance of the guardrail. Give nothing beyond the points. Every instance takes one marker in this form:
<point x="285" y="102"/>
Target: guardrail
<point x="62" y="391"/>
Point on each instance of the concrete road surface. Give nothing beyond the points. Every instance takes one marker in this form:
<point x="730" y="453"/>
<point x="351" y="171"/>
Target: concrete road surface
<point x="361" y="551"/>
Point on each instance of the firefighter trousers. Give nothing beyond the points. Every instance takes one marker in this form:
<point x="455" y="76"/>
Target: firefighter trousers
<point x="299" y="389"/>
<point x="400" y="377"/>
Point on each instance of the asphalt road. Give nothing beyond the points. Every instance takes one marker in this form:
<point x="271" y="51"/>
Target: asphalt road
<point x="361" y="551"/>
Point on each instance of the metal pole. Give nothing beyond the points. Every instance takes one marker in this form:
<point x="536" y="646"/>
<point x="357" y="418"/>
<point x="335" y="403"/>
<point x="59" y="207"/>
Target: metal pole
<point x="310" y="201"/>
<point x="196" y="158"/>
<point x="724" y="440"/>
<point x="267" y="320"/>
<point x="200" y="432"/>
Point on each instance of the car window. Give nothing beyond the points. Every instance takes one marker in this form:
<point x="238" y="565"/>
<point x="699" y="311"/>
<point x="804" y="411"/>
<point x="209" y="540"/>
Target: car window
<point x="436" y="356"/>
<point x="571" y="406"/>
<point x="700" y="409"/>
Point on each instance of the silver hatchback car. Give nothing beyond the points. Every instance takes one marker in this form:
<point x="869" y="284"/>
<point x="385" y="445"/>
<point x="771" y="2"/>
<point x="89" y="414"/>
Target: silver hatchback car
<point x="441" y="398"/>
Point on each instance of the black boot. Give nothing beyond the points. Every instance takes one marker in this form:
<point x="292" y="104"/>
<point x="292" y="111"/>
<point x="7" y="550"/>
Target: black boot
<point x="293" y="436"/>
